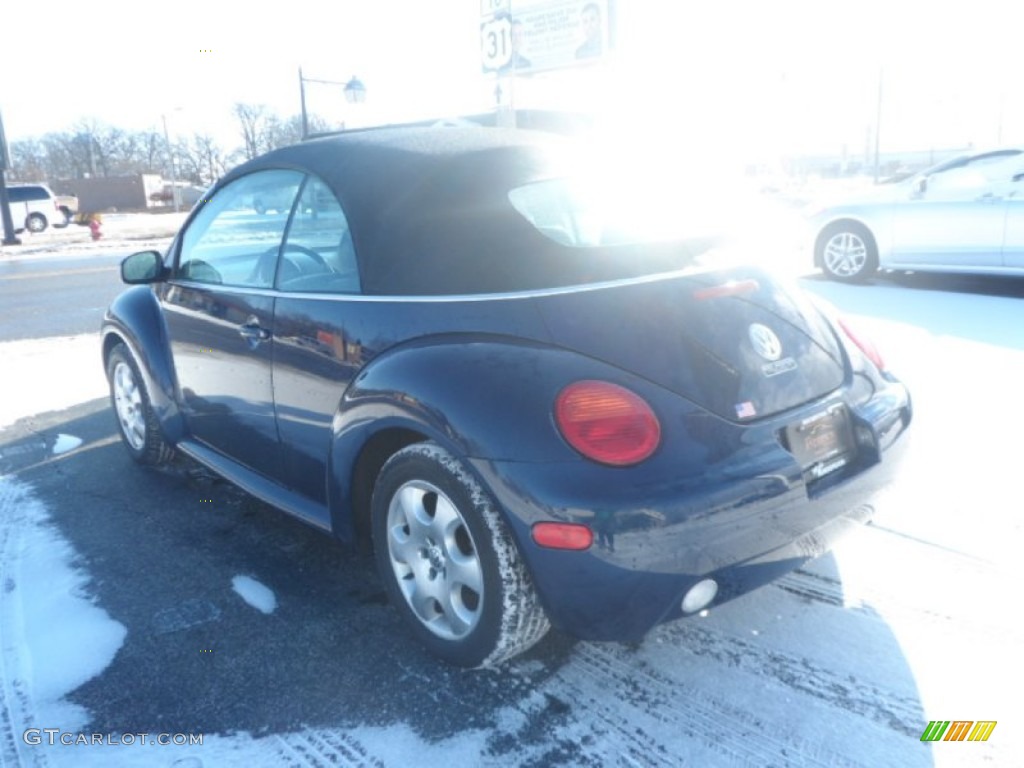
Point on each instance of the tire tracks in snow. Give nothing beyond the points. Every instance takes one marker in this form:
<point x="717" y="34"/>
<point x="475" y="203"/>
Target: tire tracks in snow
<point x="948" y="591"/>
<point x="323" y="749"/>
<point x="16" y="710"/>
<point x="649" y="702"/>
<point x="840" y="692"/>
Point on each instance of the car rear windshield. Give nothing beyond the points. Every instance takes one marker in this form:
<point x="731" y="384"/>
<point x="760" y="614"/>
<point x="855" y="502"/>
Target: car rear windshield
<point x="584" y="213"/>
<point x="515" y="219"/>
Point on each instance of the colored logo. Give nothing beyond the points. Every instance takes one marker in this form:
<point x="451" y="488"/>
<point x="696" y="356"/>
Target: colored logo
<point x="958" y="730"/>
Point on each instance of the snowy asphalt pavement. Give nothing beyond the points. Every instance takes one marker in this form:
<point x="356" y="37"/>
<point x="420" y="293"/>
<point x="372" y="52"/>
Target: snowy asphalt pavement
<point x="135" y="602"/>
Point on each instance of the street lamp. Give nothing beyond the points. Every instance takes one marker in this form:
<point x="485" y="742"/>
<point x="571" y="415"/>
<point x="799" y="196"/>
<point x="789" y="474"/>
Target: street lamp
<point x="354" y="89"/>
<point x="175" y="195"/>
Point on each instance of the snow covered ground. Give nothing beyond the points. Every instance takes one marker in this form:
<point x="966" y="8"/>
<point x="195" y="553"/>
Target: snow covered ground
<point x="138" y="231"/>
<point x="842" y="663"/>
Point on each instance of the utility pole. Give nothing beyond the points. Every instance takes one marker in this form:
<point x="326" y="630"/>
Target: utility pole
<point x="174" y="171"/>
<point x="302" y="98"/>
<point x="878" y="125"/>
<point x="5" y="203"/>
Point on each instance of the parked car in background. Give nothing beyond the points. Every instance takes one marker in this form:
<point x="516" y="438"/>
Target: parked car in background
<point x="68" y="205"/>
<point x="34" y="207"/>
<point x="188" y="195"/>
<point x="963" y="215"/>
<point x="487" y="368"/>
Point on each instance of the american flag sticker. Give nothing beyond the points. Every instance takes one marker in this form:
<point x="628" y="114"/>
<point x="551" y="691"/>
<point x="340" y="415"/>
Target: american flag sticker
<point x="745" y="410"/>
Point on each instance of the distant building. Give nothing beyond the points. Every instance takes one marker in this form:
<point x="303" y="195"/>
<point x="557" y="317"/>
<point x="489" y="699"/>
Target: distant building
<point x="140" y="192"/>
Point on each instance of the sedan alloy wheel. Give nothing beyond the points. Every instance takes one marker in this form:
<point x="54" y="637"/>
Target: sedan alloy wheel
<point x="847" y="252"/>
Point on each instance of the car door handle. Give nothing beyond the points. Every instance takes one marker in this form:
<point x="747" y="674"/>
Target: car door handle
<point x="253" y="332"/>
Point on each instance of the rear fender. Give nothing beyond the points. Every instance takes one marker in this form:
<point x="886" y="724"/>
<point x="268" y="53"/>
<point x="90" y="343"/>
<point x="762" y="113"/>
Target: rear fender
<point x="488" y="399"/>
<point x="135" y="318"/>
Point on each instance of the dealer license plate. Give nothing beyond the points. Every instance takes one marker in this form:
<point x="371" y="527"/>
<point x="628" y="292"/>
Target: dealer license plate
<point x="822" y="443"/>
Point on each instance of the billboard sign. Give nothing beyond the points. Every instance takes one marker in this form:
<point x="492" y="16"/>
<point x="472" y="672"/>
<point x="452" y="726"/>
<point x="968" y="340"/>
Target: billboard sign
<point x="526" y="36"/>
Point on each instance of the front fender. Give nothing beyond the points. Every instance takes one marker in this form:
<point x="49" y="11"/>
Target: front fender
<point x="134" y="318"/>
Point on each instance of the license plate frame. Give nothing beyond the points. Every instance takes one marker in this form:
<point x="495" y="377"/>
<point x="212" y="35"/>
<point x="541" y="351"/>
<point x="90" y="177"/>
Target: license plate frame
<point x="822" y="443"/>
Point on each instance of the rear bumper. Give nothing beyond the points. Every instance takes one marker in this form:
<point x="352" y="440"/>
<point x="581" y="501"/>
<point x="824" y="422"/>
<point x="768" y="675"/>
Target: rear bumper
<point x="723" y="501"/>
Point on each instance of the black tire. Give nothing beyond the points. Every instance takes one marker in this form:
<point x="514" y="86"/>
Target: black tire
<point x="495" y="613"/>
<point x="136" y="422"/>
<point x="66" y="213"/>
<point x="846" y="251"/>
<point x="36" y="222"/>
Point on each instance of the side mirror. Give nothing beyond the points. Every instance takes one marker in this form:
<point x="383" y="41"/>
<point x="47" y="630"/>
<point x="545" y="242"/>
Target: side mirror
<point x="1018" y="177"/>
<point x="143" y="267"/>
<point x="920" y="186"/>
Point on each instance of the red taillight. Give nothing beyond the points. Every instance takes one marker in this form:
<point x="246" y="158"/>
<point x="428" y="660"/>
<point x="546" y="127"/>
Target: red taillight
<point x="563" y="536"/>
<point x="865" y="346"/>
<point x="607" y="423"/>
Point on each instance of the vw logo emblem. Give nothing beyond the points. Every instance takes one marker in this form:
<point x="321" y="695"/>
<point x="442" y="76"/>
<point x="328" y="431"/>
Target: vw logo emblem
<point x="765" y="342"/>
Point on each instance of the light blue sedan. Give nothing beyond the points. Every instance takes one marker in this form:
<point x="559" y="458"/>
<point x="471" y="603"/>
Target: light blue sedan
<point x="964" y="215"/>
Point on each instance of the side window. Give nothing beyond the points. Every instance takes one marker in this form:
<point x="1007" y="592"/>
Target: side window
<point x="235" y="238"/>
<point x="963" y="178"/>
<point x="37" y="193"/>
<point x="17" y="194"/>
<point x="980" y="171"/>
<point x="318" y="254"/>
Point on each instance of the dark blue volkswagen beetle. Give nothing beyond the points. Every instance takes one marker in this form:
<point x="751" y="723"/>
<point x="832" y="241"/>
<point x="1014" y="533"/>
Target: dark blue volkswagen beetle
<point x="442" y="343"/>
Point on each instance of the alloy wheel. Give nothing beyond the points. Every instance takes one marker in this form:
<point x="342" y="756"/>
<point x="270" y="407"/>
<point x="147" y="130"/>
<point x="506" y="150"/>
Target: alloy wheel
<point x="845" y="254"/>
<point x="128" y="402"/>
<point x="435" y="561"/>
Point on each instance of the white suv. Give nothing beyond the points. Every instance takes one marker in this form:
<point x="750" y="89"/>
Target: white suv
<point x="34" y="207"/>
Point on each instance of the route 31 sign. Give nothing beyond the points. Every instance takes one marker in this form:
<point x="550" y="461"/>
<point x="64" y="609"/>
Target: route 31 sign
<point x="495" y="42"/>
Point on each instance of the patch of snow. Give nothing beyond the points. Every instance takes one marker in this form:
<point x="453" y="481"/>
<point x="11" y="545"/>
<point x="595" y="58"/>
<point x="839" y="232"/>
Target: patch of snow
<point x="135" y="231"/>
<point x="53" y="637"/>
<point x="39" y="377"/>
<point x="65" y="443"/>
<point x="255" y="594"/>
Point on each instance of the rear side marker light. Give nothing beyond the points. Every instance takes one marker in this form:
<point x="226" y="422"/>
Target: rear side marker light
<point x="563" y="536"/>
<point x="870" y="350"/>
<point x="607" y="423"/>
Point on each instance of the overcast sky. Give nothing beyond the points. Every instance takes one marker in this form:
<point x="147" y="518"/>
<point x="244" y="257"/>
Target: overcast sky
<point x="755" y="78"/>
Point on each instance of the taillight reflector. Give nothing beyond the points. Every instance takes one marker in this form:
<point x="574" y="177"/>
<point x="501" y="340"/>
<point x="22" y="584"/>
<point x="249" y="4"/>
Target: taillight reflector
<point x="563" y="536"/>
<point x="870" y="350"/>
<point x="607" y="423"/>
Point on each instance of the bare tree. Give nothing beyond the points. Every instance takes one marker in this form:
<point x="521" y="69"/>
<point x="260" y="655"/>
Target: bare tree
<point x="212" y="161"/>
<point x="151" y="148"/>
<point x="289" y="131"/>
<point x="253" y="123"/>
<point x="28" y="160"/>
<point x="61" y="160"/>
<point x="263" y="131"/>
<point x="94" y="149"/>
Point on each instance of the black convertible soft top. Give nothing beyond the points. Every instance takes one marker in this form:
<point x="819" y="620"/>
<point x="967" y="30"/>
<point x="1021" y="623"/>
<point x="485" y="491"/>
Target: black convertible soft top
<point x="429" y="211"/>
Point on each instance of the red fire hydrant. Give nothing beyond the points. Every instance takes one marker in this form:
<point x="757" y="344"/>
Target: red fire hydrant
<point x="94" y="227"/>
